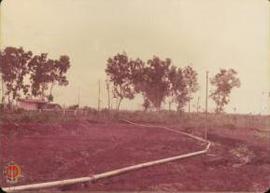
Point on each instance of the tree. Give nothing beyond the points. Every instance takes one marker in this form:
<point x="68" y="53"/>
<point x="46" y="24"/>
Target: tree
<point x="18" y="67"/>
<point x="14" y="68"/>
<point x="47" y="72"/>
<point x="191" y="81"/>
<point x="183" y="83"/>
<point x="61" y="67"/>
<point x="119" y="71"/>
<point x="155" y="80"/>
<point x="152" y="80"/>
<point x="40" y="75"/>
<point x="138" y="79"/>
<point x="224" y="81"/>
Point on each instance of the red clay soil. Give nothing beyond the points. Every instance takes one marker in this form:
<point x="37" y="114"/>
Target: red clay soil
<point x="48" y="152"/>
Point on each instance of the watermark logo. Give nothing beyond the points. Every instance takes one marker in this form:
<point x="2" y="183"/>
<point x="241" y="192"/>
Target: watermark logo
<point x="12" y="172"/>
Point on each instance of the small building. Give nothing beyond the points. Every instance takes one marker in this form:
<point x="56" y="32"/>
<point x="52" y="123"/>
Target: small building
<point x="30" y="104"/>
<point x="36" y="104"/>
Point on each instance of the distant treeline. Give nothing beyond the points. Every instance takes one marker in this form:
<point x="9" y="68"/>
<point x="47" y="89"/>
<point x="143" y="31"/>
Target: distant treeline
<point x="27" y="75"/>
<point x="158" y="79"/>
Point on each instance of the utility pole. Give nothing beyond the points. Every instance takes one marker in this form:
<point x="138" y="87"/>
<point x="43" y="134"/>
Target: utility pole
<point x="198" y="102"/>
<point x="79" y="97"/>
<point x="206" y="107"/>
<point x="99" y="95"/>
<point x="108" y="92"/>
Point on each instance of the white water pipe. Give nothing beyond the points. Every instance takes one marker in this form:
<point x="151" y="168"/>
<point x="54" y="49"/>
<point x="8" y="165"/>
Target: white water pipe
<point x="114" y="172"/>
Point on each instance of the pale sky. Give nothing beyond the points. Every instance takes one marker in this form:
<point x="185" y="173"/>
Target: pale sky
<point x="209" y="34"/>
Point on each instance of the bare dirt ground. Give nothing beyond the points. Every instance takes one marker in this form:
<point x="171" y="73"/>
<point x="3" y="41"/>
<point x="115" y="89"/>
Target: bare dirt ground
<point x="238" y="160"/>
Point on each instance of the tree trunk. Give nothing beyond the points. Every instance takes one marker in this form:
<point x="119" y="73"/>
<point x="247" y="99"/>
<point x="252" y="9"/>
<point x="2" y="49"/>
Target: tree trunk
<point x="51" y="88"/>
<point x="43" y="91"/>
<point x="109" y="97"/>
<point x="119" y="103"/>
<point x="170" y="104"/>
<point x="9" y="102"/>
<point x="2" y="89"/>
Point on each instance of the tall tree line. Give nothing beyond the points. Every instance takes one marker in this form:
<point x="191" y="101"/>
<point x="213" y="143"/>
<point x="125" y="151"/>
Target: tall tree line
<point x="156" y="79"/>
<point x="159" y="80"/>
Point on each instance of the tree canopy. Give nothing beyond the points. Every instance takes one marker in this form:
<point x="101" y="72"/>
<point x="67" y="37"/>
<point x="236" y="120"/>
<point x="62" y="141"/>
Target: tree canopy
<point x="120" y="72"/>
<point x="224" y="82"/>
<point x="26" y="74"/>
<point x="154" y="80"/>
<point x="183" y="84"/>
<point x="14" y="68"/>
